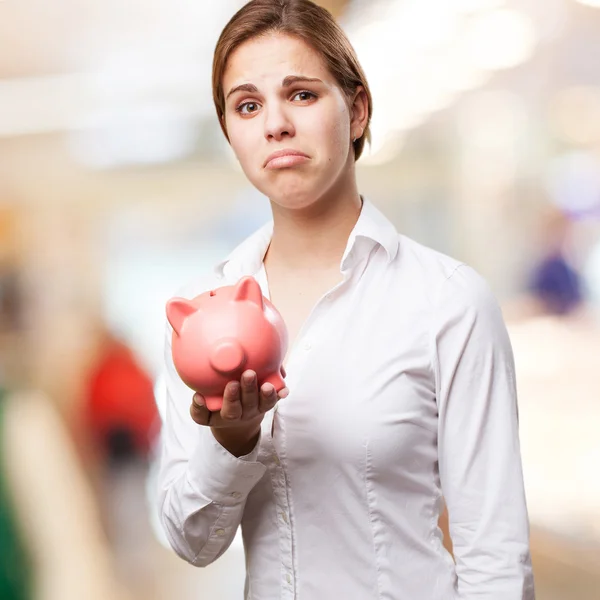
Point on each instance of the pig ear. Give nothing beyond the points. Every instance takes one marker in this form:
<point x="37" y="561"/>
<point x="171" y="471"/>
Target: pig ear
<point x="247" y="289"/>
<point x="178" y="309"/>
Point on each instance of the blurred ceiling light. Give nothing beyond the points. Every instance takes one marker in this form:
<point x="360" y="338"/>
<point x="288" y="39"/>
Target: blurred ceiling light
<point x="149" y="134"/>
<point x="470" y="6"/>
<point x="405" y="104"/>
<point x="40" y="104"/>
<point x="575" y="114"/>
<point x="420" y="55"/>
<point x="429" y="95"/>
<point x="593" y="3"/>
<point x="128" y="76"/>
<point x="501" y="39"/>
<point x="154" y="53"/>
<point x="491" y="120"/>
<point x="79" y="101"/>
<point x="573" y="182"/>
<point x="551" y="17"/>
<point x="421" y="23"/>
<point x="154" y="30"/>
<point x="455" y="73"/>
<point x="490" y="123"/>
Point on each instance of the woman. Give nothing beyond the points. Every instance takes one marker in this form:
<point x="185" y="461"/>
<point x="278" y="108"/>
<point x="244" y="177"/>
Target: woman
<point x="400" y="373"/>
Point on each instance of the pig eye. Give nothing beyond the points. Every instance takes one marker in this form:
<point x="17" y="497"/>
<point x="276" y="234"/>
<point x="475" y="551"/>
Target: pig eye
<point x="213" y="293"/>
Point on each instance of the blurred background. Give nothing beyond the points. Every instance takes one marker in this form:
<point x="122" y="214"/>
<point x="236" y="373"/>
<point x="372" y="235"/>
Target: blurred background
<point x="117" y="186"/>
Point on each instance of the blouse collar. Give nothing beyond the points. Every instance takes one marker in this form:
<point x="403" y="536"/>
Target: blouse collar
<point x="372" y="227"/>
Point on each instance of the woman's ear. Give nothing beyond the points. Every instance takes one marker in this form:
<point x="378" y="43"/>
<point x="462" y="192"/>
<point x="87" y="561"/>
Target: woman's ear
<point x="359" y="112"/>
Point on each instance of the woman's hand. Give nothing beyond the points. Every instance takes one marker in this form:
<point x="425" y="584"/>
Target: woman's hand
<point x="237" y="425"/>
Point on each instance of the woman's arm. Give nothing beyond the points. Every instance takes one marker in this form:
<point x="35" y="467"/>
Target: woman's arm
<point x="478" y="442"/>
<point x="202" y="487"/>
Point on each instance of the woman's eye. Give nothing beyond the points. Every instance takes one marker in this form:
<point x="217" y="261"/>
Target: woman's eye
<point x="247" y="108"/>
<point x="305" y="96"/>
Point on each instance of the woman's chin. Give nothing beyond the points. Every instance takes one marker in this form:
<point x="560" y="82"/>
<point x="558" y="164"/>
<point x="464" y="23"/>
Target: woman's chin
<point x="294" y="199"/>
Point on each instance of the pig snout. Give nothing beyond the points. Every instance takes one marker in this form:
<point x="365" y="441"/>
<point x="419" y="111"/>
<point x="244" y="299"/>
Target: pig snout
<point x="227" y="356"/>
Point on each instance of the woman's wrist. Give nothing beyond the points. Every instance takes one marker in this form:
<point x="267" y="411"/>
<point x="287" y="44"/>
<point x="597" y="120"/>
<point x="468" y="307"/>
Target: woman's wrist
<point x="237" y="441"/>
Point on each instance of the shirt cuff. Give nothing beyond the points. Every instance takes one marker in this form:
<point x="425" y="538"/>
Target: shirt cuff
<point x="253" y="455"/>
<point x="218" y="475"/>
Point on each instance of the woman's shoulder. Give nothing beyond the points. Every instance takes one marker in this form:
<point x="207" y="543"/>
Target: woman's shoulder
<point x="433" y="263"/>
<point x="450" y="278"/>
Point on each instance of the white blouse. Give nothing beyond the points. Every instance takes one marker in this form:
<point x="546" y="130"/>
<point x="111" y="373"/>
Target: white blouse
<point x="402" y="389"/>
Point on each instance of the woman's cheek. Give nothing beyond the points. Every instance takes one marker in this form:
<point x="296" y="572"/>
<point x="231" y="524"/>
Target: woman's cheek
<point x="243" y="150"/>
<point x="333" y="135"/>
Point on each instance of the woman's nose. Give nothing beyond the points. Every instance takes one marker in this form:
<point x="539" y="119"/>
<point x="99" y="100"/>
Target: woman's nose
<point x="278" y="123"/>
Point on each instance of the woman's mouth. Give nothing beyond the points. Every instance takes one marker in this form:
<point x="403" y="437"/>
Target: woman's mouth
<point x="283" y="159"/>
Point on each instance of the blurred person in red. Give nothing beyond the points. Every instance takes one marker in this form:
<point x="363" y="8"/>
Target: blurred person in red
<point x="120" y="411"/>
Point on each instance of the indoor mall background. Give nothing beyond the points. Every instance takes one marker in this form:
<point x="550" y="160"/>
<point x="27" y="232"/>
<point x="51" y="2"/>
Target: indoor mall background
<point x="117" y="186"/>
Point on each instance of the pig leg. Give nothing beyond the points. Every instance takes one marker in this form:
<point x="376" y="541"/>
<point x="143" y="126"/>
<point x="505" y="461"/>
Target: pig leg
<point x="213" y="403"/>
<point x="275" y="380"/>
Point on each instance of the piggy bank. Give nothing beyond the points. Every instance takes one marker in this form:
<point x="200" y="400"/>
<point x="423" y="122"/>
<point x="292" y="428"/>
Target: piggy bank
<point x="221" y="333"/>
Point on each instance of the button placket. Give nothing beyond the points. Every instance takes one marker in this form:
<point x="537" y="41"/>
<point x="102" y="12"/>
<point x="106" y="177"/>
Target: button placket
<point x="269" y="457"/>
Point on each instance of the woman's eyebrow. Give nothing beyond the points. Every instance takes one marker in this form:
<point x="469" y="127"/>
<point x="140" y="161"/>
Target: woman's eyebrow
<point x="289" y="80"/>
<point x="244" y="87"/>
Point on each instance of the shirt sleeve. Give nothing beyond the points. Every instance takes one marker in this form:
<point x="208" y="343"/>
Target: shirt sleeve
<point x="202" y="487"/>
<point x="478" y="442"/>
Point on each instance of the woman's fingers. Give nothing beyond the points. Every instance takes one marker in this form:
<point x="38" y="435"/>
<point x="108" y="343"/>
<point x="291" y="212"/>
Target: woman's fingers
<point x="242" y="401"/>
<point x="268" y="398"/>
<point x="231" y="410"/>
<point x="249" y="393"/>
<point x="200" y="414"/>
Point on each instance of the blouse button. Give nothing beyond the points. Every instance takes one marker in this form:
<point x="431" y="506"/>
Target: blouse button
<point x="236" y="495"/>
<point x="220" y="532"/>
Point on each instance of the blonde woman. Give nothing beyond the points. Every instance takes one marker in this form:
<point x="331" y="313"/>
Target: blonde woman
<point x="400" y="376"/>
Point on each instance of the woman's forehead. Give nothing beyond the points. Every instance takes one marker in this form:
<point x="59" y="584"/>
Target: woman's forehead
<point x="269" y="59"/>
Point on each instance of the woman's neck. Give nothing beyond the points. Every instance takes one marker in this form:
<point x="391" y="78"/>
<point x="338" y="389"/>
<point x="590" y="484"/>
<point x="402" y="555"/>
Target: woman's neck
<point x="314" y="238"/>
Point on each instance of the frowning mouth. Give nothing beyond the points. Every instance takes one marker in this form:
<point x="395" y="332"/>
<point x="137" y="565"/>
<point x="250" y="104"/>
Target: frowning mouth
<point x="285" y="158"/>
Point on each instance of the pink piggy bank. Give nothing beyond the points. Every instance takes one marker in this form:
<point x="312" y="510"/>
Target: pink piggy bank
<point x="221" y="333"/>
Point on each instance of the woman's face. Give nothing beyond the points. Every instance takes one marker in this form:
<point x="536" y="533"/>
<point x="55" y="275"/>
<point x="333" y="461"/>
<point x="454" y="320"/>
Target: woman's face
<point x="281" y="98"/>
